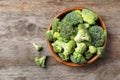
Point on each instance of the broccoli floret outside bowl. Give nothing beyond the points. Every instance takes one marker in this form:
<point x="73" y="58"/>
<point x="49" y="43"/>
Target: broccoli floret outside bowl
<point x="77" y="36"/>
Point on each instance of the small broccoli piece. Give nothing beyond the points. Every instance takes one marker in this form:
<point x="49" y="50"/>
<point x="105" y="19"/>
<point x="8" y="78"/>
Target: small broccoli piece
<point x="37" y="47"/>
<point x="81" y="48"/>
<point x="92" y="49"/>
<point x="100" y="50"/>
<point x="56" y="47"/>
<point x="89" y="16"/>
<point x="49" y="35"/>
<point x="98" y="35"/>
<point x="73" y="17"/>
<point x="40" y="61"/>
<point x="86" y="25"/>
<point x="81" y="26"/>
<point x="77" y="58"/>
<point x="82" y="35"/>
<point x="88" y="55"/>
<point x="56" y="35"/>
<point x="55" y="25"/>
<point x="63" y="57"/>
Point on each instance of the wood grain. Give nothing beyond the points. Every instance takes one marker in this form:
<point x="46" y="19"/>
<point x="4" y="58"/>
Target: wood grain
<point x="25" y="21"/>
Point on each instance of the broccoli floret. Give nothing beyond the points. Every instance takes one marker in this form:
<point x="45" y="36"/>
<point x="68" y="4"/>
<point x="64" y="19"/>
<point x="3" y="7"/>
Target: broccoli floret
<point x="88" y="55"/>
<point x="81" y="48"/>
<point x="92" y="49"/>
<point x="40" y="61"/>
<point x="68" y="48"/>
<point x="89" y="16"/>
<point x="55" y="25"/>
<point x="98" y="35"/>
<point x="81" y="26"/>
<point x="82" y="35"/>
<point x="37" y="47"/>
<point x="64" y="49"/>
<point x="56" y="35"/>
<point x="66" y="30"/>
<point x="49" y="35"/>
<point x="73" y="17"/>
<point x="77" y="58"/>
<point x="57" y="47"/>
<point x="100" y="50"/>
<point x="86" y="25"/>
<point x="63" y="57"/>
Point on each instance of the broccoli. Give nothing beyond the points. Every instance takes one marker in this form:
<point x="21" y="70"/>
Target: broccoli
<point x="77" y="58"/>
<point x="82" y="35"/>
<point x="63" y="57"/>
<point x="88" y="55"/>
<point x="56" y="35"/>
<point x="40" y="61"/>
<point x="100" y="50"/>
<point x="73" y="17"/>
<point x="98" y="35"/>
<point x="68" y="48"/>
<point x="55" y="25"/>
<point x="92" y="49"/>
<point x="86" y="25"/>
<point x="49" y="35"/>
<point x="81" y="48"/>
<point x="37" y="47"/>
<point x="76" y="36"/>
<point x="64" y="49"/>
<point x="89" y="16"/>
<point x="66" y="30"/>
<point x="57" y="47"/>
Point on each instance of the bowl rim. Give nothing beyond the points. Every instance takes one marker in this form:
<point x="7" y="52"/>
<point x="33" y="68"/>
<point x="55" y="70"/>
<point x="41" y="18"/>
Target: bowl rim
<point x="55" y="54"/>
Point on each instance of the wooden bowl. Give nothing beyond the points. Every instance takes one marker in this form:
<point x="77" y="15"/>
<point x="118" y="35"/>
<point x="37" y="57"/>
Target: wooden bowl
<point x="62" y="14"/>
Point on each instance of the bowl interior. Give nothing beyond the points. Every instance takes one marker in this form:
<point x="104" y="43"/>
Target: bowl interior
<point x="61" y="15"/>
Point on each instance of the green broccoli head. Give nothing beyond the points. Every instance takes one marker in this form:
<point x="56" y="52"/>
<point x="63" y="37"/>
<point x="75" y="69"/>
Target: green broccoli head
<point x="98" y="35"/>
<point x="56" y="35"/>
<point x="40" y="61"/>
<point x="73" y="17"/>
<point x="92" y="49"/>
<point x="86" y="25"/>
<point x="57" y="47"/>
<point x="63" y="57"/>
<point x="49" y="35"/>
<point x="66" y="30"/>
<point x="81" y="48"/>
<point x="88" y="55"/>
<point x="100" y="50"/>
<point x="55" y="25"/>
<point x="77" y="58"/>
<point x="89" y="16"/>
<point x="67" y="48"/>
<point x="82" y="35"/>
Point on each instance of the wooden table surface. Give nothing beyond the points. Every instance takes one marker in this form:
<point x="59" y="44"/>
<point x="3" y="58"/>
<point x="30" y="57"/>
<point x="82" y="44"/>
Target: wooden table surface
<point x="23" y="22"/>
